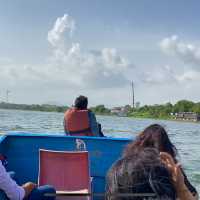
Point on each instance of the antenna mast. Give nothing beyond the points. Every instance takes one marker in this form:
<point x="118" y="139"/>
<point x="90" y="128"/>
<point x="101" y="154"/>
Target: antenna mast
<point x="133" y="95"/>
<point x="7" y="95"/>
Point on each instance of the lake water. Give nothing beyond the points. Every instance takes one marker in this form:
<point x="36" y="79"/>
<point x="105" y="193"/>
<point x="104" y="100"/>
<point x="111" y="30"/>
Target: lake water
<point x="185" y="135"/>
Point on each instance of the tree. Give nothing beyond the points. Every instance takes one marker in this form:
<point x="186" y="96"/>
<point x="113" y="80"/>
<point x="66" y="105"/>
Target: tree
<point x="183" y="106"/>
<point x="196" y="108"/>
<point x="101" y="109"/>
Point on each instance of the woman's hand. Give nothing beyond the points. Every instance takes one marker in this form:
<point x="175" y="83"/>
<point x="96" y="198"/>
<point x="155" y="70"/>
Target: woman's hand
<point x="177" y="177"/>
<point x="174" y="169"/>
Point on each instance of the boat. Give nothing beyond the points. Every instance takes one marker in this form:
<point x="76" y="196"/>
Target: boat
<point x="22" y="151"/>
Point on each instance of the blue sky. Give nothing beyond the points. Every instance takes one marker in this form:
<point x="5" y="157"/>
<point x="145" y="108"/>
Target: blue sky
<point x="154" y="43"/>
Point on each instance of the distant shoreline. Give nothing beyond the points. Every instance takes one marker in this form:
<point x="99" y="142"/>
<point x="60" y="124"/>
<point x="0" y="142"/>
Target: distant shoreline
<point x="166" y="119"/>
<point x="104" y="114"/>
<point x="33" y="107"/>
<point x="99" y="110"/>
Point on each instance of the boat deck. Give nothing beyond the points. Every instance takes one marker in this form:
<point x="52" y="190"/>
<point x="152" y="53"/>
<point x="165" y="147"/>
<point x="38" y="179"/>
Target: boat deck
<point x="22" y="150"/>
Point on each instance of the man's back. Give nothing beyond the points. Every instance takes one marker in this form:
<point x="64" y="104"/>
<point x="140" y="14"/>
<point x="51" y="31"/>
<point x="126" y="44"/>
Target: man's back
<point x="80" y="122"/>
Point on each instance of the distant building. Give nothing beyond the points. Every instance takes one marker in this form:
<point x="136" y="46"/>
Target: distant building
<point x="190" y="116"/>
<point x="137" y="105"/>
<point x="120" y="111"/>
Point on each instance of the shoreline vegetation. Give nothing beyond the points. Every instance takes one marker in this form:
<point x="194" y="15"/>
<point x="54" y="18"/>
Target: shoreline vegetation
<point x="33" y="107"/>
<point x="100" y="109"/>
<point x="182" y="110"/>
<point x="162" y="111"/>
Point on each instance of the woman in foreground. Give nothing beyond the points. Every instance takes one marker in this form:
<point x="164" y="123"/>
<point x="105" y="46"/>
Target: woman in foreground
<point x="155" y="136"/>
<point x="146" y="175"/>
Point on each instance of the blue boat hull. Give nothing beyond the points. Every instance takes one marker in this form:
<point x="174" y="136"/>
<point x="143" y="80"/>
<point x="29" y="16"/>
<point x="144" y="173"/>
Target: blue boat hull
<point x="22" y="150"/>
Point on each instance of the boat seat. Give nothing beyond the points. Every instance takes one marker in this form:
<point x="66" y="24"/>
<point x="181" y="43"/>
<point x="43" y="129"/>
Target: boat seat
<point x="67" y="171"/>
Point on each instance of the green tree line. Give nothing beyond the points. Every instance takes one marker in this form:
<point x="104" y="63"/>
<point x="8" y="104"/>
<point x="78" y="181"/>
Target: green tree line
<point x="34" y="107"/>
<point x="100" y="109"/>
<point x="148" y="111"/>
<point x="165" y="110"/>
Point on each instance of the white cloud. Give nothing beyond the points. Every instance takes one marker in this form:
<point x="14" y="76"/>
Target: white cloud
<point x="160" y="75"/>
<point x="69" y="65"/>
<point x="83" y="68"/>
<point x="189" y="76"/>
<point x="71" y="69"/>
<point x="186" y="52"/>
<point x="56" y="36"/>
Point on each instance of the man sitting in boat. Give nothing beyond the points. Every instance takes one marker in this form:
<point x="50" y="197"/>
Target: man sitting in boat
<point x="9" y="189"/>
<point x="80" y="121"/>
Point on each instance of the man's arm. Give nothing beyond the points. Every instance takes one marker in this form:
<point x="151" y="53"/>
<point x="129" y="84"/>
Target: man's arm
<point x="65" y="126"/>
<point x="9" y="186"/>
<point x="93" y="124"/>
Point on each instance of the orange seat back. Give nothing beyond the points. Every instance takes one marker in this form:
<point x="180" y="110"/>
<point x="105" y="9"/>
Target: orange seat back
<point x="66" y="171"/>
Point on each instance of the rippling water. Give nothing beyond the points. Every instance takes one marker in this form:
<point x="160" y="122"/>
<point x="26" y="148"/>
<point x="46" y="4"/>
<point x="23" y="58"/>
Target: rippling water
<point x="185" y="136"/>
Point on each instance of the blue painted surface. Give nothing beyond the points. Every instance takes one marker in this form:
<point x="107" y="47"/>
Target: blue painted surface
<point x="22" y="150"/>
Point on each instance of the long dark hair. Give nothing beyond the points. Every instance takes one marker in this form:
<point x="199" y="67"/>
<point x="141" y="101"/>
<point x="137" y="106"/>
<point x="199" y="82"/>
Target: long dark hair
<point x="153" y="136"/>
<point x="142" y="173"/>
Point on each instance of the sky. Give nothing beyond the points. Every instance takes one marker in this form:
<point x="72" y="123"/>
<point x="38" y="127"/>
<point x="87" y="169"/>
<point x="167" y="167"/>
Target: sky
<point x="53" y="51"/>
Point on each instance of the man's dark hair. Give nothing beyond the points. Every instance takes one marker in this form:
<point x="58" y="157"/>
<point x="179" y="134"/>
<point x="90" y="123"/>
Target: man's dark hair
<point x="81" y="102"/>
